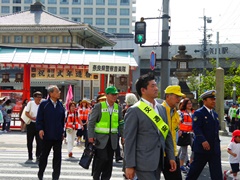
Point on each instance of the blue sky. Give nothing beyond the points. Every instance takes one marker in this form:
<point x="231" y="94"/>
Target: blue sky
<point x="187" y="20"/>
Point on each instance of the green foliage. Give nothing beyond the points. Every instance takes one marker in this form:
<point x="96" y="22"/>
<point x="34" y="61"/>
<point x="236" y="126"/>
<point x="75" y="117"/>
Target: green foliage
<point x="207" y="80"/>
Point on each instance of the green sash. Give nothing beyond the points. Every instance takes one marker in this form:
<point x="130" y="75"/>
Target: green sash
<point x="156" y="119"/>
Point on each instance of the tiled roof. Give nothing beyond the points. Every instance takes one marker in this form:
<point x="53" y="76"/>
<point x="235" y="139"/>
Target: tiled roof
<point x="34" y="18"/>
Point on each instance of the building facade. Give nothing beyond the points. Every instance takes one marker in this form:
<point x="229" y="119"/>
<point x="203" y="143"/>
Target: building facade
<point x="112" y="16"/>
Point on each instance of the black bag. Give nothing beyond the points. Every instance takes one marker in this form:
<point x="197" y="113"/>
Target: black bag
<point x="185" y="139"/>
<point x="87" y="156"/>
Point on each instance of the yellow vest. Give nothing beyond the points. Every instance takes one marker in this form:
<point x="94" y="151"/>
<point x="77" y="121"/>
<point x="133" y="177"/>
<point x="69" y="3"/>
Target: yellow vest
<point x="173" y="123"/>
<point x="108" y="123"/>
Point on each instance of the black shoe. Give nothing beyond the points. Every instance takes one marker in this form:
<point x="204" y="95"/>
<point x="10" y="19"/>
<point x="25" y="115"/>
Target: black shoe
<point x="30" y="159"/>
<point x="119" y="159"/>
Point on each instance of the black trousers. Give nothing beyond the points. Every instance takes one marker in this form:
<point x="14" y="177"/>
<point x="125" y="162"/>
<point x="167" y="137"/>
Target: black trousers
<point x="199" y="162"/>
<point x="176" y="175"/>
<point x="103" y="162"/>
<point x="57" y="158"/>
<point x="31" y="134"/>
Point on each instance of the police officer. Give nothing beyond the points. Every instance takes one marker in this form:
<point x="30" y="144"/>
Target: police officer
<point x="104" y="124"/>
<point x="206" y="146"/>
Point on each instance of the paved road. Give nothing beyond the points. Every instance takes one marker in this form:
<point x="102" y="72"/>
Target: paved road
<point x="13" y="164"/>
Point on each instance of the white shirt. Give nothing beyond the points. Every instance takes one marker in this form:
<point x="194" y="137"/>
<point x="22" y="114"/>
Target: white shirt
<point x="32" y="108"/>
<point x="235" y="147"/>
<point x="151" y="105"/>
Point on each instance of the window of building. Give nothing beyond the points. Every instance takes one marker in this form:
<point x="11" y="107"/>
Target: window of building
<point x="76" y="19"/>
<point x="5" y="9"/>
<point x="124" y="2"/>
<point x="52" y="1"/>
<point x="112" y="30"/>
<point x="6" y="39"/>
<point x="112" y="2"/>
<point x="17" y="39"/>
<point x="64" y="10"/>
<point x="64" y="2"/>
<point x="86" y="92"/>
<point x="100" y="21"/>
<point x="88" y="21"/>
<point x="66" y="39"/>
<point x="95" y="92"/>
<point x="100" y="2"/>
<point x="28" y="1"/>
<point x="100" y="11"/>
<point x="76" y="10"/>
<point x="112" y="11"/>
<point x="54" y="39"/>
<point x="88" y="11"/>
<point x="124" y="22"/>
<point x="124" y="30"/>
<point x="88" y="2"/>
<point x="30" y="39"/>
<point x="26" y="8"/>
<point x="42" y="39"/>
<point x="5" y="1"/>
<point x="16" y="9"/>
<point x="76" y="2"/>
<point x="17" y="1"/>
<point x="42" y="1"/>
<point x="124" y="12"/>
<point x="112" y="21"/>
<point x="52" y="10"/>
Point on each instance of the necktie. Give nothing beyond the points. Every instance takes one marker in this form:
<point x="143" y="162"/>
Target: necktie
<point x="211" y="112"/>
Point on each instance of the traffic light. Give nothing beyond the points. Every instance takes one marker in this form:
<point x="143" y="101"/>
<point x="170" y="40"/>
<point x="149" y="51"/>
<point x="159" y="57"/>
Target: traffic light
<point x="140" y="32"/>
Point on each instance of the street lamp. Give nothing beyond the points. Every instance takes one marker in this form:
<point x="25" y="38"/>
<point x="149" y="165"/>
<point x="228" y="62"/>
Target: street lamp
<point x="234" y="93"/>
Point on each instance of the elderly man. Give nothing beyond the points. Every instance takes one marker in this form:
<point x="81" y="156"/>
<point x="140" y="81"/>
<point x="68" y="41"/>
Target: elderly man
<point x="50" y="124"/>
<point x="104" y="124"/>
<point x="173" y="96"/>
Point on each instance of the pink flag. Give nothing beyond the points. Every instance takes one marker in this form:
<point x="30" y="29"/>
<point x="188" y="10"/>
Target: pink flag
<point x="69" y="96"/>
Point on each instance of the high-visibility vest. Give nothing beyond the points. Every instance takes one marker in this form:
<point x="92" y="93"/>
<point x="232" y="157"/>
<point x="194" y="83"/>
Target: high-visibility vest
<point x="186" y="123"/>
<point x="234" y="112"/>
<point x="83" y="114"/>
<point x="72" y="120"/>
<point x="108" y="123"/>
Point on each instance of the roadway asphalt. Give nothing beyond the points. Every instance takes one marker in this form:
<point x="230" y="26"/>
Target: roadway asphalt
<point x="16" y="139"/>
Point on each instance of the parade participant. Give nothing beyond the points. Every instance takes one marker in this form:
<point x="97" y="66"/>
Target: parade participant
<point x="50" y="124"/>
<point x="146" y="134"/>
<point x="31" y="112"/>
<point x="206" y="146"/>
<point x="104" y="125"/>
<point x="173" y="96"/>
<point x="234" y="155"/>
<point x="73" y="123"/>
<point x="185" y="129"/>
<point x="83" y="112"/>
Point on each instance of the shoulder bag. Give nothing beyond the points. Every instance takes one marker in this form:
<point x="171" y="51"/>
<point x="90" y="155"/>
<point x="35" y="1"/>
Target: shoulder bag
<point x="26" y="119"/>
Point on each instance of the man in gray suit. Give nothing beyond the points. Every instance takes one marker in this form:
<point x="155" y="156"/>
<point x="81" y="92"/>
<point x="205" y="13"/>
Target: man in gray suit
<point x="147" y="134"/>
<point x="104" y="124"/>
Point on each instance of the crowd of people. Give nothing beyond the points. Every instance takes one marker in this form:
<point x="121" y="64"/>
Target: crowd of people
<point x="150" y="137"/>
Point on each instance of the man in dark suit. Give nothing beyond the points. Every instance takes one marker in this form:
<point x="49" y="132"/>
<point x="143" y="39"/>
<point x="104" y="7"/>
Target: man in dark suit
<point x="104" y="124"/>
<point x="206" y="146"/>
<point x="146" y="134"/>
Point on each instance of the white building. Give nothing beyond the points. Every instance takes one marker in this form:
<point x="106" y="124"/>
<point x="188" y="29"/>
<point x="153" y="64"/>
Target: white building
<point x="112" y="16"/>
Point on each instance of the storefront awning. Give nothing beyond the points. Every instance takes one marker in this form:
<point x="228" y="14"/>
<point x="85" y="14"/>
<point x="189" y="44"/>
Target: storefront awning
<point x="56" y="56"/>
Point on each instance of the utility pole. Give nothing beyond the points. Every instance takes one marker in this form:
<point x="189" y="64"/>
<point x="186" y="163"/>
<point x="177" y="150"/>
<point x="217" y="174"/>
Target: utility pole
<point x="165" y="62"/>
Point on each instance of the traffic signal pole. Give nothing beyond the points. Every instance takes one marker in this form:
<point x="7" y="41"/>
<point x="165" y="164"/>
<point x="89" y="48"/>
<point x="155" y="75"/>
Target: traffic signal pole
<point x="165" y="62"/>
